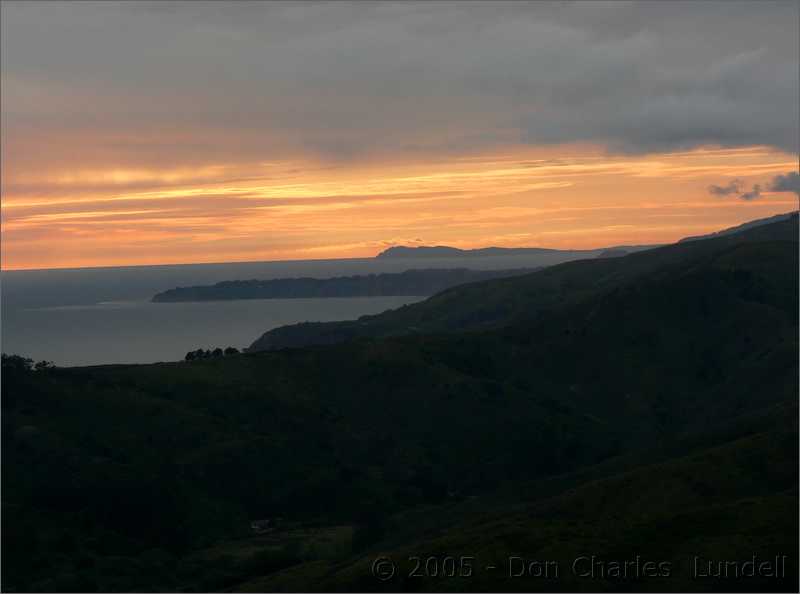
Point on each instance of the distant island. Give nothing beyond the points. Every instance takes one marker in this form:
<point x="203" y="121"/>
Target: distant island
<point x="443" y="251"/>
<point x="422" y="282"/>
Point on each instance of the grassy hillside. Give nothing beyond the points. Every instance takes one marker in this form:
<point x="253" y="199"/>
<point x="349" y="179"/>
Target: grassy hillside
<point x="716" y="503"/>
<point x="640" y="405"/>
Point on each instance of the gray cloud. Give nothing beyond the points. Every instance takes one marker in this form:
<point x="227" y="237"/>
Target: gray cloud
<point x="736" y="189"/>
<point x="733" y="187"/>
<point x="752" y="194"/>
<point x="350" y="80"/>
<point x="786" y="183"/>
<point x="789" y="182"/>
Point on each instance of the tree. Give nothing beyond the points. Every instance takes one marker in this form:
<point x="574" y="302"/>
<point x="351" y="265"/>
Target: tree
<point x="217" y="352"/>
<point x="16" y="363"/>
<point x="197" y="355"/>
<point x="42" y="365"/>
<point x="231" y="351"/>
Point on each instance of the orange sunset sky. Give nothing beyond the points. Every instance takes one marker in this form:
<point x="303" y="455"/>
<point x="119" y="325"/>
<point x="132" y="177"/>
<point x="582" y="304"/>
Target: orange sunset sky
<point x="134" y="134"/>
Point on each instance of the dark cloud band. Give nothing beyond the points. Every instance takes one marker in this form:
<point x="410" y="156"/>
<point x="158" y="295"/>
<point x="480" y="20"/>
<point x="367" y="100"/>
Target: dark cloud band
<point x="349" y="80"/>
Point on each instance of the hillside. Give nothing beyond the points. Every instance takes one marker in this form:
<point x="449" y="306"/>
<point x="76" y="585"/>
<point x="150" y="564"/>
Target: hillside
<point x="702" y="506"/>
<point x="637" y="405"/>
<point x="742" y="227"/>
<point x="411" y="282"/>
<point x="487" y="305"/>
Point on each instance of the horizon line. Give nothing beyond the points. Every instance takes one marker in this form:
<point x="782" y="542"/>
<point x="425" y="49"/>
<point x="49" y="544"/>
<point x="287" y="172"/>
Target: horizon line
<point x="217" y="263"/>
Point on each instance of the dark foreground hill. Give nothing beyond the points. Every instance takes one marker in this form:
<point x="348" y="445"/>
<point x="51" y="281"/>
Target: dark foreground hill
<point x="640" y="409"/>
<point x="411" y="282"/>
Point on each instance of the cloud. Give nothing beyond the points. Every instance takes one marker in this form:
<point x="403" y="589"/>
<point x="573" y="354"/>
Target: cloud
<point x="736" y="189"/>
<point x="752" y="194"/>
<point x="786" y="183"/>
<point x="199" y="80"/>
<point x="789" y="182"/>
<point x="731" y="188"/>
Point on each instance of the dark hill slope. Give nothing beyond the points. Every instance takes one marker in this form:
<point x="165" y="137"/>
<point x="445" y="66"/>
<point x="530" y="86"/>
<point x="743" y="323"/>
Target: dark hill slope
<point x="146" y="477"/>
<point x="742" y="227"/>
<point x="715" y="501"/>
<point x="501" y="302"/>
<point x="137" y="477"/>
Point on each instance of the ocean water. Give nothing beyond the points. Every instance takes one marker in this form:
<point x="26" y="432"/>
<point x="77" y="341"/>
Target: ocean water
<point x="93" y="316"/>
<point x="142" y="332"/>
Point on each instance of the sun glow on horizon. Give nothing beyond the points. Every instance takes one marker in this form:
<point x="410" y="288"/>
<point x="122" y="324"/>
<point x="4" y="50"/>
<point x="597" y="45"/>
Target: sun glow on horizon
<point x="559" y="197"/>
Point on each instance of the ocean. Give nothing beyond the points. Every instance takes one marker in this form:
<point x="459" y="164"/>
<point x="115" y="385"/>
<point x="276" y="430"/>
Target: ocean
<point x="93" y="316"/>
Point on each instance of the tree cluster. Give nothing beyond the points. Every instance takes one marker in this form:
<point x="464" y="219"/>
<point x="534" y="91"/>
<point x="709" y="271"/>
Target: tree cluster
<point x="18" y="363"/>
<point x="210" y="354"/>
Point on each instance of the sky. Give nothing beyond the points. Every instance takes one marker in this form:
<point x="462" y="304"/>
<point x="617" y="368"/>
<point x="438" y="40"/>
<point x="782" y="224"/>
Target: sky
<point x="161" y="132"/>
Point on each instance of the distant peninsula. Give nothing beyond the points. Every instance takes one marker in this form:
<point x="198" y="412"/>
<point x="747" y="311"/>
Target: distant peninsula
<point x="420" y="283"/>
<point x="443" y="251"/>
